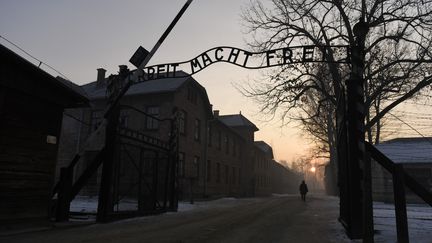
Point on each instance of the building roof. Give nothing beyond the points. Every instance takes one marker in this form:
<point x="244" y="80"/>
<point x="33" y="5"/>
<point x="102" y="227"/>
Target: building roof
<point x="78" y="89"/>
<point x="20" y="74"/>
<point x="264" y="147"/>
<point x="164" y="85"/>
<point x="237" y="120"/>
<point x="408" y="150"/>
<point x="158" y="86"/>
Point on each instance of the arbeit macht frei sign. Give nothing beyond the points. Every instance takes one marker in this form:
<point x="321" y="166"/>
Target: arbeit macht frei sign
<point x="242" y="58"/>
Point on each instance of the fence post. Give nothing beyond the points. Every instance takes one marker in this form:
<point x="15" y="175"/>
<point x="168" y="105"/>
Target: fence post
<point x="368" y="224"/>
<point x="64" y="195"/>
<point x="400" y="204"/>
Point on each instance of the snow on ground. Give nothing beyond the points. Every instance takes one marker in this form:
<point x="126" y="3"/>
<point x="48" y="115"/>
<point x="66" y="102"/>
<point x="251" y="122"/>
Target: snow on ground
<point x="419" y="216"/>
<point x="84" y="204"/>
<point x="419" y="222"/>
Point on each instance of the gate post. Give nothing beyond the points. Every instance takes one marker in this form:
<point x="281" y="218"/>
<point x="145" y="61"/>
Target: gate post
<point x="358" y="194"/>
<point x="105" y="202"/>
<point x="400" y="204"/>
<point x="105" y="193"/>
<point x="64" y="195"/>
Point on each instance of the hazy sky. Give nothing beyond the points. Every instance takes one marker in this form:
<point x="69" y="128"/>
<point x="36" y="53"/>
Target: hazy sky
<point x="77" y="37"/>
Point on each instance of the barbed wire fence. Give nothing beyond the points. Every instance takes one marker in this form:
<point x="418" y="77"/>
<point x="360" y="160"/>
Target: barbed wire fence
<point x="31" y="58"/>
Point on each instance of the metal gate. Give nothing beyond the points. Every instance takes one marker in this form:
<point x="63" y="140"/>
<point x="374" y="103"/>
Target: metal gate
<point x="144" y="168"/>
<point x="139" y="173"/>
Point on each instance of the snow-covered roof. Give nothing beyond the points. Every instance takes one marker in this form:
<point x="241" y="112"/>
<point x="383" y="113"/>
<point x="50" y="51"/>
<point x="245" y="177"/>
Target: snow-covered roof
<point x="237" y="120"/>
<point x="78" y="89"/>
<point x="264" y="147"/>
<point x="149" y="87"/>
<point x="408" y="150"/>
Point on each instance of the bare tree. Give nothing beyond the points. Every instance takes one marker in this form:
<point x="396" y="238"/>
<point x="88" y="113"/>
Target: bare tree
<point x="397" y="51"/>
<point x="301" y="163"/>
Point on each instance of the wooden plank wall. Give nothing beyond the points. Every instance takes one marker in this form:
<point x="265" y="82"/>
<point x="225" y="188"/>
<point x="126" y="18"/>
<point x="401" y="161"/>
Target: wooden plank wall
<point x="27" y="161"/>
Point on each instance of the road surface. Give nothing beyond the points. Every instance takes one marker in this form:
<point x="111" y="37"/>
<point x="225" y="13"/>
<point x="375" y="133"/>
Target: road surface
<point x="273" y="219"/>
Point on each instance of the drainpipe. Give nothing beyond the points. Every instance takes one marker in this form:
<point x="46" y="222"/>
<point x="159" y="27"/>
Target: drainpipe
<point x="205" y="157"/>
<point x="207" y="127"/>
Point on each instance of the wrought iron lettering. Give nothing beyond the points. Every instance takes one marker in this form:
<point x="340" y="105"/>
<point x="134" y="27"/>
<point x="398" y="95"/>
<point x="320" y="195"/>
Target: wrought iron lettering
<point x="245" y="59"/>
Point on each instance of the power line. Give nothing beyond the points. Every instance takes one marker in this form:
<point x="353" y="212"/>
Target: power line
<point x="426" y="138"/>
<point x="415" y="103"/>
<point x="40" y="62"/>
<point x="77" y="119"/>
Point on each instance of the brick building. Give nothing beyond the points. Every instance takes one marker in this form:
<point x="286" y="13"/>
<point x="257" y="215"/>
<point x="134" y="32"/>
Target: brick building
<point x="217" y="154"/>
<point x="263" y="160"/>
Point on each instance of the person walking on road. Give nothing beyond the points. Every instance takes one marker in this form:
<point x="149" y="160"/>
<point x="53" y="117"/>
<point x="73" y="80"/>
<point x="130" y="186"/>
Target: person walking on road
<point x="303" y="190"/>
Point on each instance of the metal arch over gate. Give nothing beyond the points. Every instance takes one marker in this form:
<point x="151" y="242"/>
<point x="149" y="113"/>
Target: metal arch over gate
<point x="239" y="57"/>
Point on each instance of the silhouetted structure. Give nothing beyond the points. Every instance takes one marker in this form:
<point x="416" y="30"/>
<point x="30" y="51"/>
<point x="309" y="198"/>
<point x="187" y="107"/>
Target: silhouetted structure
<point x="31" y="111"/>
<point x="415" y="155"/>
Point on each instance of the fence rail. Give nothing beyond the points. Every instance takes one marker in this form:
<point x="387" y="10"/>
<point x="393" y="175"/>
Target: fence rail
<point x="400" y="179"/>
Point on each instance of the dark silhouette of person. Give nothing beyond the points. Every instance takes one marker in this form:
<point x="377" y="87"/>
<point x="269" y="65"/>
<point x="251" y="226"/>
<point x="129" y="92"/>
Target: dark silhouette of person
<point x="303" y="190"/>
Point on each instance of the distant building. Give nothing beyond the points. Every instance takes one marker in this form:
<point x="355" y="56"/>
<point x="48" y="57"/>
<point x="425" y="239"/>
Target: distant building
<point x="226" y="163"/>
<point x="246" y="129"/>
<point x="283" y="180"/>
<point x="415" y="154"/>
<point x="31" y="111"/>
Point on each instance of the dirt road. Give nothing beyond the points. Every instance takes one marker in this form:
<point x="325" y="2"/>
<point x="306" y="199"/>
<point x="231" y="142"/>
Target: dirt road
<point x="275" y="219"/>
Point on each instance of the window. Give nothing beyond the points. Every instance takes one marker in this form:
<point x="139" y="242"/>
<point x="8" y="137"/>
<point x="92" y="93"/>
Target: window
<point x="197" y="130"/>
<point x="234" y="148"/>
<point x="208" y="170"/>
<point x="96" y="119"/>
<point x="124" y="118"/>
<point x="124" y="121"/>
<point x="219" y="138"/>
<point x="218" y="172"/>
<point x="226" y="141"/>
<point x="239" y="176"/>
<point x="192" y="95"/>
<point x="182" y="122"/>
<point x="233" y="175"/>
<point x="152" y="123"/>
<point x="196" y="166"/>
<point x="226" y="174"/>
<point x="181" y="164"/>
<point x="209" y="136"/>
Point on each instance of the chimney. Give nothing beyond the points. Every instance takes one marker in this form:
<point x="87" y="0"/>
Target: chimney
<point x="100" y="77"/>
<point x="216" y="113"/>
<point x="123" y="71"/>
